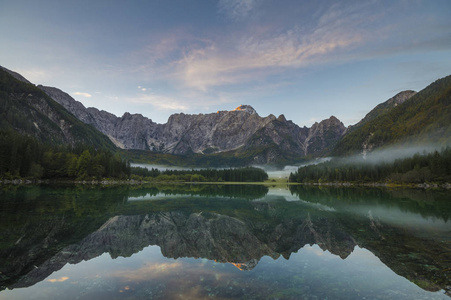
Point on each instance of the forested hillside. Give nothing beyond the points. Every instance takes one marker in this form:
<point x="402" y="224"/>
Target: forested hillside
<point x="433" y="167"/>
<point x="39" y="139"/>
<point x="424" y="118"/>
<point x="23" y="156"/>
<point x="27" y="110"/>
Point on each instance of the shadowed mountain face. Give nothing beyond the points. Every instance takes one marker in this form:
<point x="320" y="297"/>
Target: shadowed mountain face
<point x="237" y="135"/>
<point x="241" y="130"/>
<point x="422" y="118"/>
<point x="29" y="111"/>
<point x="48" y="114"/>
<point x="383" y="108"/>
<point x="408" y="117"/>
<point x="230" y="230"/>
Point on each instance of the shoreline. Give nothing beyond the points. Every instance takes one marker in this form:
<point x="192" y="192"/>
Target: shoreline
<point x="424" y="185"/>
<point x="272" y="182"/>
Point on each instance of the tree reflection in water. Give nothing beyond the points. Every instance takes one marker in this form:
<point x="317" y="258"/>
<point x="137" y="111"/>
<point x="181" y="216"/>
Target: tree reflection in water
<point x="46" y="228"/>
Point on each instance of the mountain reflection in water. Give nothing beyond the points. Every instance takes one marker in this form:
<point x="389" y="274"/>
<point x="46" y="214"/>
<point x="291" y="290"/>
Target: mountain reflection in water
<point x="45" y="228"/>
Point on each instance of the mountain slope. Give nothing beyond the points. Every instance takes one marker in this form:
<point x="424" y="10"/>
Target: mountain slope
<point x="26" y="109"/>
<point x="238" y="134"/>
<point x="424" y="118"/>
<point x="384" y="108"/>
<point x="324" y="136"/>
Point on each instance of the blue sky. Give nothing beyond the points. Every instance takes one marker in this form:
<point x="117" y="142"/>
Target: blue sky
<point x="307" y="60"/>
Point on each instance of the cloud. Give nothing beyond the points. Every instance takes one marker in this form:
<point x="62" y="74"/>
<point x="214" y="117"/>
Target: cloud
<point x="164" y="50"/>
<point x="252" y="54"/>
<point x="62" y="279"/>
<point x="159" y="102"/>
<point x="148" y="271"/>
<point x="259" y="51"/>
<point x="258" y="54"/>
<point x="86" y="95"/>
<point x="236" y="9"/>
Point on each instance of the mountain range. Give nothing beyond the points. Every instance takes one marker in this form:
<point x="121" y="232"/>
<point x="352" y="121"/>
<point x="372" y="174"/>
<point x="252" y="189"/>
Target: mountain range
<point x="240" y="130"/>
<point x="239" y="135"/>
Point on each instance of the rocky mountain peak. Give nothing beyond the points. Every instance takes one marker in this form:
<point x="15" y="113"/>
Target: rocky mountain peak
<point x="282" y="118"/>
<point x="333" y="121"/>
<point x="329" y="124"/>
<point x="246" y="108"/>
<point x="241" y="130"/>
<point x="128" y="115"/>
<point x="324" y="135"/>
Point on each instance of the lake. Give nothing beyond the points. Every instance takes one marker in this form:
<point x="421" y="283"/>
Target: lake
<point x="224" y="242"/>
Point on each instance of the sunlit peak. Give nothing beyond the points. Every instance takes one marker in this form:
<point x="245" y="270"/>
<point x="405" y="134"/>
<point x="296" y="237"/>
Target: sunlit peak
<point x="246" y="108"/>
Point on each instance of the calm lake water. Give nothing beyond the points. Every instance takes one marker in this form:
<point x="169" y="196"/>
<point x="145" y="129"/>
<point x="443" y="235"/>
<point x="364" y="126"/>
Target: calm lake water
<point x="224" y="242"/>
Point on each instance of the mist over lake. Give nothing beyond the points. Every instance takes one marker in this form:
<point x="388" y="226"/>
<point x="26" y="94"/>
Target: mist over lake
<point x="225" y="149"/>
<point x="229" y="241"/>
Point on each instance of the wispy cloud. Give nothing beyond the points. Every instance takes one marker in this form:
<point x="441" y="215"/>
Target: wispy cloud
<point x="86" y="95"/>
<point x="258" y="54"/>
<point x="163" y="52"/>
<point x="236" y="9"/>
<point x="147" y="271"/>
<point x="61" y="279"/>
<point x="159" y="102"/>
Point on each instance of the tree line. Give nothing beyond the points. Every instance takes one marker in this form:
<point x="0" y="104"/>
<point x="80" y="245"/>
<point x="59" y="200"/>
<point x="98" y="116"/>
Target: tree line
<point x="23" y="156"/>
<point x="240" y="191"/>
<point x="426" y="167"/>
<point x="247" y="174"/>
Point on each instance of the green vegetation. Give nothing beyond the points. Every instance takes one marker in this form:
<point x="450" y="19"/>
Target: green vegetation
<point x="26" y="109"/>
<point x="25" y="157"/>
<point x="37" y="222"/>
<point x="239" y="191"/>
<point x="39" y="139"/>
<point x="425" y="202"/>
<point x="426" y="117"/>
<point x="249" y="174"/>
<point x="433" y="167"/>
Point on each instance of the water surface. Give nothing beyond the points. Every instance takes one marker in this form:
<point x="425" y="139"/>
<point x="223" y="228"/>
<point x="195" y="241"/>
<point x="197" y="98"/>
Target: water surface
<point x="224" y="242"/>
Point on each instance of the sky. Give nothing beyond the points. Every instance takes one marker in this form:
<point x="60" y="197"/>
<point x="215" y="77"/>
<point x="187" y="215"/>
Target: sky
<point x="308" y="60"/>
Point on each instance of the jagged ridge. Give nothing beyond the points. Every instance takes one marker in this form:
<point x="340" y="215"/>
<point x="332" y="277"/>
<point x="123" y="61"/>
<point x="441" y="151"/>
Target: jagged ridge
<point x="241" y="129"/>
